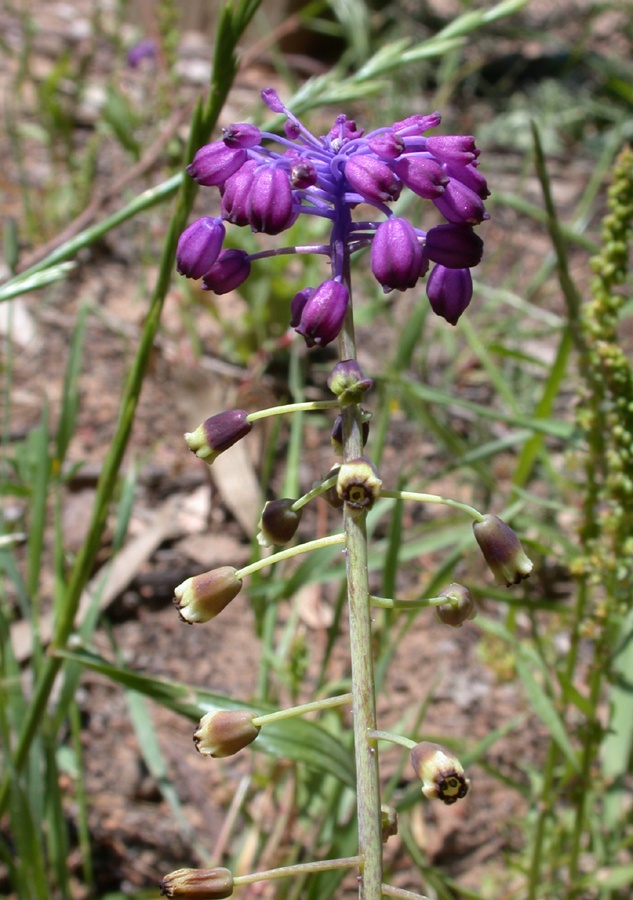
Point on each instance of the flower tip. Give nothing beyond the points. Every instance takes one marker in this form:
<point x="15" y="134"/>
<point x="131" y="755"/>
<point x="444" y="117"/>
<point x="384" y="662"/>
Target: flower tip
<point x="502" y="550"/>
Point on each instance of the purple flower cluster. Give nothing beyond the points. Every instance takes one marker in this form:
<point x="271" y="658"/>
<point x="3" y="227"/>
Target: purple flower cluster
<point x="328" y="177"/>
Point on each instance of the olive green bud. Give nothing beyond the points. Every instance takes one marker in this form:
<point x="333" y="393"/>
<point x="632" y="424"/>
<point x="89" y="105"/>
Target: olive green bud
<point x="203" y="597"/>
<point x="388" y="822"/>
<point x="502" y="550"/>
<point x="348" y="383"/>
<point x="459" y="608"/>
<point x="225" y="732"/>
<point x="278" y="523"/>
<point x="200" y="884"/>
<point x="218" y="433"/>
<point x="440" y="772"/>
<point x="358" y="484"/>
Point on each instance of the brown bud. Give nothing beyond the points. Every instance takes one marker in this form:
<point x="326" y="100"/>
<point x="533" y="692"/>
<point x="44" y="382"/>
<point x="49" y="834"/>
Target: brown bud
<point x="440" y="772"/>
<point x="278" y="523"/>
<point x="502" y="550"/>
<point x="202" y="597"/>
<point x="218" y="433"/>
<point x="459" y="608"/>
<point x="225" y="732"/>
<point x="201" y="884"/>
<point x="358" y="484"/>
<point x="330" y="496"/>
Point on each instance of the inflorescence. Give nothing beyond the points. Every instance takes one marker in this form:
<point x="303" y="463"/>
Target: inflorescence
<point x="329" y="177"/>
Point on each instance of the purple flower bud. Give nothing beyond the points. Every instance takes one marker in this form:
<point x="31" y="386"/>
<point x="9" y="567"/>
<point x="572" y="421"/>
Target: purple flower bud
<point x="337" y="436"/>
<point x="460" y="205"/>
<point x="218" y="433"/>
<point x="454" y="246"/>
<point x="145" y="49"/>
<point x="241" y="134"/>
<point x="269" y="207"/>
<point x="272" y="101"/>
<point x="415" y="125"/>
<point x="235" y="193"/>
<point x="459" y="607"/>
<point x="469" y="176"/>
<point x="449" y="292"/>
<point x="344" y="130"/>
<point x="387" y="145"/>
<point x="396" y="255"/>
<point x="457" y="149"/>
<point x="203" y="597"/>
<point x="502" y="550"/>
<point x="224" y="732"/>
<point x="216" y="162"/>
<point x="347" y="382"/>
<point x="318" y="314"/>
<point x="423" y="175"/>
<point x="231" y="268"/>
<point x="372" y="178"/>
<point x="199" y="246"/>
<point x="278" y="523"/>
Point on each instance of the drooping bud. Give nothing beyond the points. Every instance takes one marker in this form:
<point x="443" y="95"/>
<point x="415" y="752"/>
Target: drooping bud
<point x="202" y="597"/>
<point x="318" y="314"/>
<point x="460" y="205"/>
<point x="458" y="149"/>
<point x="330" y="496"/>
<point x="459" y="607"/>
<point x="388" y="822"/>
<point x="198" y="884"/>
<point x="225" y="732"/>
<point x="470" y="176"/>
<point x="199" y="246"/>
<point x="269" y="205"/>
<point x="502" y="550"/>
<point x="347" y="382"/>
<point x="229" y="271"/>
<point x="441" y="773"/>
<point x="279" y="522"/>
<point x="358" y="484"/>
<point x="372" y="179"/>
<point x="218" y="433"/>
<point x="235" y="194"/>
<point x="241" y="134"/>
<point x="387" y="145"/>
<point x="449" y="292"/>
<point x="417" y="124"/>
<point x="397" y="261"/>
<point x="337" y="431"/>
<point x="216" y="162"/>
<point x="424" y="176"/>
<point x="454" y="246"/>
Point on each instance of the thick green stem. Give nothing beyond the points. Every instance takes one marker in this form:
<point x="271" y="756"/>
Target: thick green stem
<point x="364" y="703"/>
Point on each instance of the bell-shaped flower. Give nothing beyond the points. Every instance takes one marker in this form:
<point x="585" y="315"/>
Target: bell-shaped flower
<point x="199" y="246"/>
<point x="278" y="523"/>
<point x="269" y="205"/>
<point x="241" y="134"/>
<point x="396" y="255"/>
<point x="421" y="174"/>
<point x="441" y="773"/>
<point x="235" y="194"/>
<point x="459" y="606"/>
<point x="458" y="149"/>
<point x="225" y="732"/>
<point x="387" y="145"/>
<point x="203" y="884"/>
<point x="449" y="292"/>
<point x="216" y="162"/>
<point x="358" y="484"/>
<point x="218" y="433"/>
<point x="454" y="246"/>
<point x="461" y="205"/>
<point x="203" y="597"/>
<point x="229" y="271"/>
<point x="502" y="550"/>
<point x="318" y="314"/>
<point x="372" y="178"/>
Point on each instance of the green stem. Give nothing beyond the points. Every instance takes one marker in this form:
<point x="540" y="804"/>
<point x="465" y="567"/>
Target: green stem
<point x="292" y="711"/>
<point x="324" y="865"/>
<point x="367" y="771"/>
<point x="306" y="406"/>
<point x="434" y="498"/>
<point x="392" y="738"/>
<point x="308" y="547"/>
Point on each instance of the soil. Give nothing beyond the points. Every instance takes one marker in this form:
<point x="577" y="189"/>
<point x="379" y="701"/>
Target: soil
<point x="135" y="836"/>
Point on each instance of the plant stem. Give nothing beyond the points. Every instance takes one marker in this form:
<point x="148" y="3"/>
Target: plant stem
<point x="364" y="704"/>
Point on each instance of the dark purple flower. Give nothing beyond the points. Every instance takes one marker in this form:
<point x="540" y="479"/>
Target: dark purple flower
<point x="269" y="206"/>
<point x="231" y="268"/>
<point x="460" y="205"/>
<point x="396" y="255"/>
<point x="236" y="193"/>
<point x="454" y="246"/>
<point x="421" y="174"/>
<point x="387" y="145"/>
<point x="372" y="179"/>
<point x="449" y="292"/>
<point x="216" y="162"/>
<point x="457" y="149"/>
<point x="199" y="246"/>
<point x="241" y="134"/>
<point x="318" y="316"/>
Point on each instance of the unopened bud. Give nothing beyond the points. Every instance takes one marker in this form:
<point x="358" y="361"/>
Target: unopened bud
<point x="203" y="597"/>
<point x="358" y="484"/>
<point x="201" y="884"/>
<point x="337" y="431"/>
<point x="278" y="523"/>
<point x="502" y="550"/>
<point x="388" y="822"/>
<point x="218" y="433"/>
<point x="330" y="496"/>
<point x="441" y="773"/>
<point x="348" y="383"/>
<point x="225" y="732"/>
<point x="459" y="607"/>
